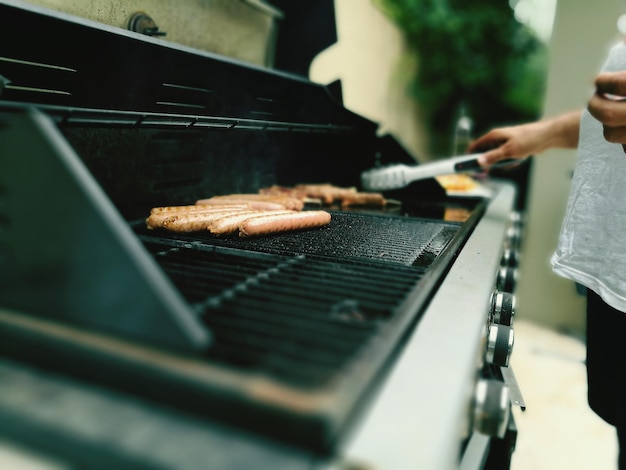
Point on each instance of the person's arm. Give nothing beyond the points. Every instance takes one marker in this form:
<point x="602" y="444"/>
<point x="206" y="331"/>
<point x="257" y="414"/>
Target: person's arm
<point x="524" y="140"/>
<point x="608" y="105"/>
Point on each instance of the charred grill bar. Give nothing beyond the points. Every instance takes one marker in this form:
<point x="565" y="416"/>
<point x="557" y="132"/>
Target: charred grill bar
<point x="291" y="346"/>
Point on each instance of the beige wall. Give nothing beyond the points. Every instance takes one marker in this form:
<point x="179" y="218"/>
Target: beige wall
<point x="583" y="31"/>
<point x="369" y="58"/>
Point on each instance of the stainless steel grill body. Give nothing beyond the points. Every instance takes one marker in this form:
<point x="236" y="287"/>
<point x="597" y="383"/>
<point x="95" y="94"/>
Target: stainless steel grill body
<point x="289" y="347"/>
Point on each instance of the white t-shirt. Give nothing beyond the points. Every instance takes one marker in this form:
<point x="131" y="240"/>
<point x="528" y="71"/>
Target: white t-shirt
<point x="592" y="243"/>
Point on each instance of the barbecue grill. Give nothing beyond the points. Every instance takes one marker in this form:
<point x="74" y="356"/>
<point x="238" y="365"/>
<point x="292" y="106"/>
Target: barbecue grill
<point x="294" y="347"/>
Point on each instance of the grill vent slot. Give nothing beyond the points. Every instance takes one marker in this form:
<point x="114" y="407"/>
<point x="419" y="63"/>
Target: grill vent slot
<point x="28" y="78"/>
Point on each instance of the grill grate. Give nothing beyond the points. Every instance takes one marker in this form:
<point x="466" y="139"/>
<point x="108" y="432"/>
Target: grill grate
<point x="299" y="307"/>
<point x="391" y="239"/>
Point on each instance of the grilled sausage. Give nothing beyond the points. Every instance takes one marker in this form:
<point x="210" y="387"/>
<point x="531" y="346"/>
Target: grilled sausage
<point x="193" y="221"/>
<point x="230" y="223"/>
<point x="328" y="193"/>
<point x="276" y="190"/>
<point x="291" y="192"/>
<point x="286" y="202"/>
<point x="268" y="224"/>
<point x="157" y="219"/>
<point x="193" y="208"/>
<point x="256" y="205"/>
<point x="363" y="199"/>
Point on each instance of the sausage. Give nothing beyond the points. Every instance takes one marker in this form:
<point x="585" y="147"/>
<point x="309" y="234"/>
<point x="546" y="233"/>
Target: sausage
<point x="276" y="190"/>
<point x="287" y="202"/>
<point x="230" y="223"/>
<point x="170" y="209"/>
<point x="363" y="199"/>
<point x="328" y="193"/>
<point x="291" y="192"/>
<point x="157" y="219"/>
<point x="268" y="224"/>
<point x="193" y="222"/>
<point x="257" y="205"/>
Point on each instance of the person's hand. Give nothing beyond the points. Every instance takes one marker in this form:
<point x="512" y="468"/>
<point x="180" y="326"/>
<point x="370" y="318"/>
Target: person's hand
<point x="511" y="143"/>
<point x="523" y="140"/>
<point x="608" y="105"/>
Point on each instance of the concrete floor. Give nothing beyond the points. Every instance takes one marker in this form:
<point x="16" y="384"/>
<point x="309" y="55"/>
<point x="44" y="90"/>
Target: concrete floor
<point x="557" y="430"/>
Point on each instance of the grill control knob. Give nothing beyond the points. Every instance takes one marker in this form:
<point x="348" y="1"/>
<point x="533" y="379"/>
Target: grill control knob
<point x="514" y="236"/>
<point x="502" y="308"/>
<point x="491" y="407"/>
<point x="510" y="258"/>
<point x="507" y="279"/>
<point x="499" y="345"/>
<point x="516" y="218"/>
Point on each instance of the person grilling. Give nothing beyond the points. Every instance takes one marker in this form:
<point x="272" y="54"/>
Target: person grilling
<point x="591" y="248"/>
